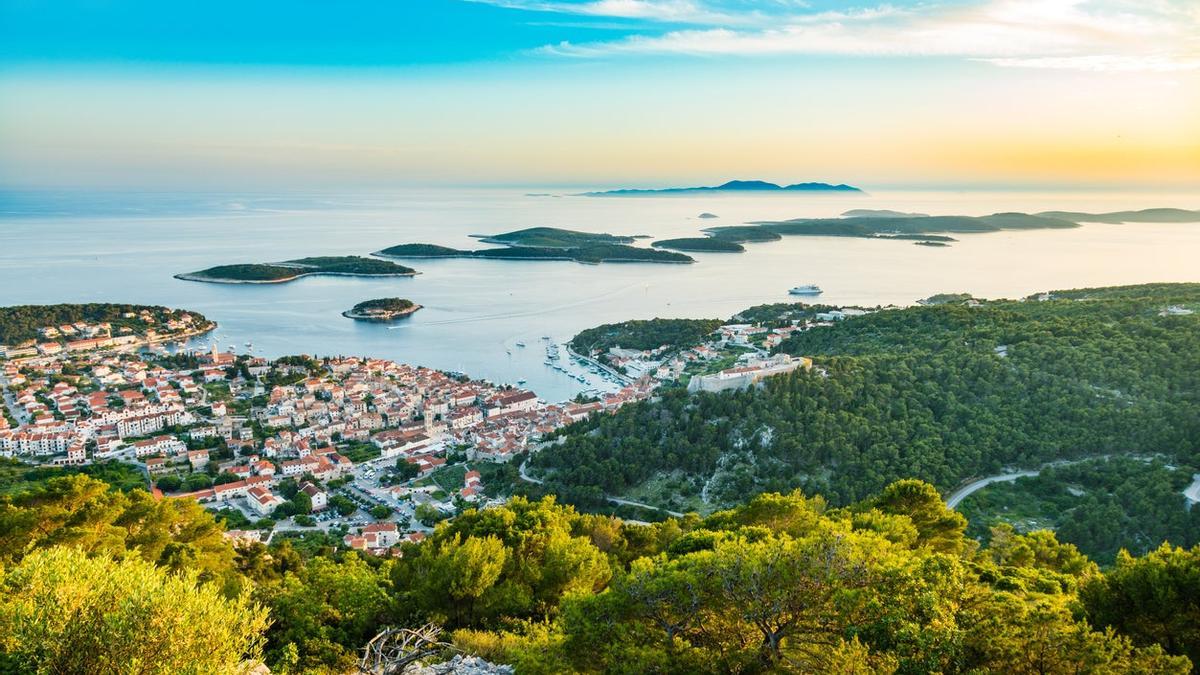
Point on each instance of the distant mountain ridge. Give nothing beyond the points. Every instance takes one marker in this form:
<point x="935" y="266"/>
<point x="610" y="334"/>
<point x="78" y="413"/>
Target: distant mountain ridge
<point x="732" y="186"/>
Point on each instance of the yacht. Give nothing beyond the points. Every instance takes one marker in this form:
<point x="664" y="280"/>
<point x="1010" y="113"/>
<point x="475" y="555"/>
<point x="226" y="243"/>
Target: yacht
<point x="520" y="344"/>
<point x="806" y="289"/>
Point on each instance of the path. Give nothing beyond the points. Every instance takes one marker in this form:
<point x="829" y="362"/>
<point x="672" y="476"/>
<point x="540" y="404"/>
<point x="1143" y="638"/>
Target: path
<point x="615" y="500"/>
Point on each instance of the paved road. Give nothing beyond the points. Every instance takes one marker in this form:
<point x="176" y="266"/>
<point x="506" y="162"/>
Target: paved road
<point x="614" y="500"/>
<point x="971" y="488"/>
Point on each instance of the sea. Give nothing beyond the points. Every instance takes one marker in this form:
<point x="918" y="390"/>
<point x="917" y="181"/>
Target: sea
<point x="59" y="246"/>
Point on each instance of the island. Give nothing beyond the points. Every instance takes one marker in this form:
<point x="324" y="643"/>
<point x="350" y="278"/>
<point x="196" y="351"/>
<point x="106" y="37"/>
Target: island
<point x="730" y="186"/>
<point x="742" y="234"/>
<point x="33" y="330"/>
<point x="700" y="244"/>
<point x="553" y="237"/>
<point x="706" y="215"/>
<point x="1117" y="217"/>
<point x="289" y="270"/>
<point x="382" y="309"/>
<point x="881" y="213"/>
<point x="545" y="243"/>
<point x="592" y="254"/>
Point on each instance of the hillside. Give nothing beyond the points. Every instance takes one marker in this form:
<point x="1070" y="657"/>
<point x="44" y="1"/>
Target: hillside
<point x="941" y="393"/>
<point x="95" y="578"/>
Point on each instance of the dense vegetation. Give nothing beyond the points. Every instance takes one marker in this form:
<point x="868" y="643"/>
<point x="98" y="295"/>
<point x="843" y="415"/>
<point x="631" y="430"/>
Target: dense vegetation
<point x="301" y="267"/>
<point x="553" y="237"/>
<point x="1101" y="506"/>
<point x="21" y="322"/>
<point x="382" y="309"/>
<point x="95" y="580"/>
<point x="942" y="393"/>
<point x="702" y="244"/>
<point x="421" y="251"/>
<point x="644" y="334"/>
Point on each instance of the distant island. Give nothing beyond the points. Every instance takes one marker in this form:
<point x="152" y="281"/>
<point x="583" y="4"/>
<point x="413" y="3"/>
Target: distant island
<point x="707" y="215"/>
<point x="700" y="244"/>
<point x="881" y="213"/>
<point x="1118" y="217"/>
<point x="382" y="309"/>
<point x="545" y="243"/>
<point x="289" y="270"/>
<point x="731" y="186"/>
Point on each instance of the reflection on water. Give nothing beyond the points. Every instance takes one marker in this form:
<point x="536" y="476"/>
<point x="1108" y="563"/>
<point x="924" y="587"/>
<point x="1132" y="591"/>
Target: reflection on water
<point x="125" y="247"/>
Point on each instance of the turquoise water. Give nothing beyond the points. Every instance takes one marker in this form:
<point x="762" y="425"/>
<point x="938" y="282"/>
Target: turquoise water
<point x="125" y="247"/>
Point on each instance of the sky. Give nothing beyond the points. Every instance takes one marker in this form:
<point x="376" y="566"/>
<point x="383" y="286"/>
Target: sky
<point x="137" y="94"/>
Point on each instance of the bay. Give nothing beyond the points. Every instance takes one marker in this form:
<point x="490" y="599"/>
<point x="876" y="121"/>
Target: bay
<point x="125" y="247"/>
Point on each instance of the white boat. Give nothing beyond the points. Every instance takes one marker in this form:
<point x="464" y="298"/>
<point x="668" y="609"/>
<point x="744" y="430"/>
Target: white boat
<point x="520" y="344"/>
<point x="806" y="289"/>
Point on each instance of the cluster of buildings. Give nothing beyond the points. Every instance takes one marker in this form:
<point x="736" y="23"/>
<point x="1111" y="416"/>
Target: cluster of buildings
<point x="298" y="419"/>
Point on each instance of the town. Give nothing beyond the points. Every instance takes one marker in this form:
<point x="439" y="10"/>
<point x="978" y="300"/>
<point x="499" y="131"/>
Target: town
<point x="367" y="451"/>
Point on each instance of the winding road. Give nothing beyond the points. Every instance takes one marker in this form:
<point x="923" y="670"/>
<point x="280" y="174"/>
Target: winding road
<point x="975" y="486"/>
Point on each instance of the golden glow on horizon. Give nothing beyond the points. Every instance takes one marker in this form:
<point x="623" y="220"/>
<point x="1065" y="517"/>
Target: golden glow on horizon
<point x="972" y="124"/>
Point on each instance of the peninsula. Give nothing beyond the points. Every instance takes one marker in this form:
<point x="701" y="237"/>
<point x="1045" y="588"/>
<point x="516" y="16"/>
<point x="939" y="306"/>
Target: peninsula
<point x="289" y="270"/>
<point x="730" y="186"/>
<point x="382" y="309"/>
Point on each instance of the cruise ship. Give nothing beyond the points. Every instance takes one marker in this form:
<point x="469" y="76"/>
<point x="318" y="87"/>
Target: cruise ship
<point x="806" y="289"/>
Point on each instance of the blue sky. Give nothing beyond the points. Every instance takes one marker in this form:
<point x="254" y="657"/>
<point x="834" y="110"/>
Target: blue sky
<point x="599" y="91"/>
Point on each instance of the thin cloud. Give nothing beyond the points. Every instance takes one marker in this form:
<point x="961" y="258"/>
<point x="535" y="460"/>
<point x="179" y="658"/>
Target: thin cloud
<point x="1090" y="35"/>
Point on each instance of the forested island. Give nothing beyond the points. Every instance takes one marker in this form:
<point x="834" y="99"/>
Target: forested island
<point x="591" y="253"/>
<point x="943" y="392"/>
<point x="382" y="309"/>
<point x="289" y="270"/>
<point x="553" y="237"/>
<point x="730" y="186"/>
<point x="927" y="230"/>
<point x="700" y="244"/>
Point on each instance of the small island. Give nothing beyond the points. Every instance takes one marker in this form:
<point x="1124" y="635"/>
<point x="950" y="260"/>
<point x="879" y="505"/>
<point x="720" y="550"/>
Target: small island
<point x="700" y="244"/>
<point x="382" y="309"/>
<point x="289" y="270"/>
<point x="706" y="215"/>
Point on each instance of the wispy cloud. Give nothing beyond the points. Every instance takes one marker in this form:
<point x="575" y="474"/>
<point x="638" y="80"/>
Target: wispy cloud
<point x="1090" y="35"/>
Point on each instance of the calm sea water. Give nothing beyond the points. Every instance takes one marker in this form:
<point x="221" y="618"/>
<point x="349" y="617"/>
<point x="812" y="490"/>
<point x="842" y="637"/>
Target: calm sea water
<point x="126" y="247"/>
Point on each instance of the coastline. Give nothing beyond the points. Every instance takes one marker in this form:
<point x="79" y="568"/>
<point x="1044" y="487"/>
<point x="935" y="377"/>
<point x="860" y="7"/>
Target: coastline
<point x="379" y="254"/>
